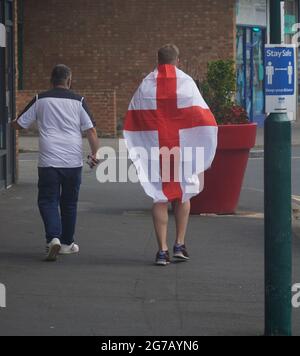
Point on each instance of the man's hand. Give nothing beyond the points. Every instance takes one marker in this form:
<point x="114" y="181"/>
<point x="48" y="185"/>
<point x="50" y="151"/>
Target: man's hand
<point x="92" y="161"/>
<point x="94" y="144"/>
<point x="15" y="125"/>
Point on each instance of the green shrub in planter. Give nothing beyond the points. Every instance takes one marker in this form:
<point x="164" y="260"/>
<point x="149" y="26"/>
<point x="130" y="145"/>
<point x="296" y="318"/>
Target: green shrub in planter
<point x="219" y="89"/>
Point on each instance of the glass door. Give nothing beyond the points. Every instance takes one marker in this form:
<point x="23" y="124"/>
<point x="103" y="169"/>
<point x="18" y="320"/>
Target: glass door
<point x="240" y="67"/>
<point x="258" y="101"/>
<point x="250" y="71"/>
<point x="7" y="99"/>
<point x="10" y="99"/>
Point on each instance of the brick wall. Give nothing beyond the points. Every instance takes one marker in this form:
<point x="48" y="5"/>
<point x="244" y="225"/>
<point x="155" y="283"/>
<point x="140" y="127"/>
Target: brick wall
<point x="101" y="103"/>
<point x="112" y="43"/>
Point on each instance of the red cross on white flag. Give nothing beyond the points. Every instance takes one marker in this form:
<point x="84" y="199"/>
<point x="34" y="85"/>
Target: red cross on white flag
<point x="168" y="112"/>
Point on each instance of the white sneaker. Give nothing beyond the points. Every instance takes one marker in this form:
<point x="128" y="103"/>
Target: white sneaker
<point x="69" y="249"/>
<point x="52" y="250"/>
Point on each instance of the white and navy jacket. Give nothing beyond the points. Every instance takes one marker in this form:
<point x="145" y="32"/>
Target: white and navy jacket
<point x="61" y="117"/>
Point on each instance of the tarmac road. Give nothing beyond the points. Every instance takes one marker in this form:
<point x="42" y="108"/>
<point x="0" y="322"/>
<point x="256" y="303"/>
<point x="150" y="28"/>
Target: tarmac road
<point x="113" y="288"/>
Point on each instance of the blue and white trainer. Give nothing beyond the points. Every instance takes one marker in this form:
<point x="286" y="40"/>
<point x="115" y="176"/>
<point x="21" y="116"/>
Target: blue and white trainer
<point x="163" y="258"/>
<point x="180" y="253"/>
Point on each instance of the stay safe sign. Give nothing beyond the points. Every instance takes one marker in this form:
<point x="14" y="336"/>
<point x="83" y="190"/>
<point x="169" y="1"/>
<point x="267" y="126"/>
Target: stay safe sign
<point x="280" y="78"/>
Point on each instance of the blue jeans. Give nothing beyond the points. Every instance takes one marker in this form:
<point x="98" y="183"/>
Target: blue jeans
<point x="57" y="200"/>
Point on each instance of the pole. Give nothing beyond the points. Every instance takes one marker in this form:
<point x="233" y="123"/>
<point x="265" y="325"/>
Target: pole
<point x="278" y="220"/>
<point x="282" y="19"/>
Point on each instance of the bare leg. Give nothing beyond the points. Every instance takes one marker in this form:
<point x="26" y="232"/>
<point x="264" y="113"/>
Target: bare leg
<point x="182" y="213"/>
<point x="160" y="219"/>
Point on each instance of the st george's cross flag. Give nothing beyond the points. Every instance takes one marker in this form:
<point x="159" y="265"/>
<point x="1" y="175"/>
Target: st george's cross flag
<point x="168" y="117"/>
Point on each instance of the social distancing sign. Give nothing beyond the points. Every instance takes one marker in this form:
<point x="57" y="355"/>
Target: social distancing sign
<point x="280" y="79"/>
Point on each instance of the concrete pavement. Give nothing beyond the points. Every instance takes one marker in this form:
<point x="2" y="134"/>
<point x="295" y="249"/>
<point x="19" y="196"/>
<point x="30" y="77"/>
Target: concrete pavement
<point x="30" y="144"/>
<point x="112" y="287"/>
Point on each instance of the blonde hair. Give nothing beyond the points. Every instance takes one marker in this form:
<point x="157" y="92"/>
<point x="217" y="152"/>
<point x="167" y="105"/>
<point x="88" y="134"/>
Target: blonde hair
<point x="168" y="54"/>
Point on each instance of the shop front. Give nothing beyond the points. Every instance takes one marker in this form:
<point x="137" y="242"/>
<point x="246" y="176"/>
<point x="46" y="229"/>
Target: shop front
<point x="251" y="37"/>
<point x="250" y="42"/>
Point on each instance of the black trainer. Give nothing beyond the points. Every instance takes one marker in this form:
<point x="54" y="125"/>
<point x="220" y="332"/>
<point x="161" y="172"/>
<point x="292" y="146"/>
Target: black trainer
<point x="181" y="253"/>
<point x="163" y="258"/>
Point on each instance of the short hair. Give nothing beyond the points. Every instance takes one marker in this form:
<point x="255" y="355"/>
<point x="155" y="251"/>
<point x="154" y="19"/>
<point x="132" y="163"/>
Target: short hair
<point x="60" y="74"/>
<point x="168" y="54"/>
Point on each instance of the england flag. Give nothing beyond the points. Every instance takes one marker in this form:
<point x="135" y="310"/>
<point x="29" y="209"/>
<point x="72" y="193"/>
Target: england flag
<point x="171" y="135"/>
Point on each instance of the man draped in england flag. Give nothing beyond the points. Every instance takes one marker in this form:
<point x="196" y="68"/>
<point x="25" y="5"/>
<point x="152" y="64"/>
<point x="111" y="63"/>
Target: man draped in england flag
<point x="171" y="135"/>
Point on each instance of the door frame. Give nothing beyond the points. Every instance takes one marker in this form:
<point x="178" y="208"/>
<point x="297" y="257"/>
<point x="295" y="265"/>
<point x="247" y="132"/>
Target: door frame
<point x="3" y="150"/>
<point x="8" y="153"/>
<point x="260" y="119"/>
<point x="10" y="86"/>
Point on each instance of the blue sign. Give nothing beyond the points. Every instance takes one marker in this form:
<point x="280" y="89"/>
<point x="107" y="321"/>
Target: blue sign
<point x="280" y="71"/>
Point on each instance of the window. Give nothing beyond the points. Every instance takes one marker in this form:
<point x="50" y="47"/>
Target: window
<point x="291" y="18"/>
<point x="252" y="12"/>
<point x="9" y="11"/>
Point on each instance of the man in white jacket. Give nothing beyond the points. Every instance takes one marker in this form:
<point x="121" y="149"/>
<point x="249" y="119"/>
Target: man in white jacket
<point x="61" y="116"/>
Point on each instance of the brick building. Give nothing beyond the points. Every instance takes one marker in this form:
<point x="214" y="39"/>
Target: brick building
<point x="111" y="44"/>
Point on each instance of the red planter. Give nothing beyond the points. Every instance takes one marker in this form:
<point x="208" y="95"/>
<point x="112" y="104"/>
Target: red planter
<point x="223" y="181"/>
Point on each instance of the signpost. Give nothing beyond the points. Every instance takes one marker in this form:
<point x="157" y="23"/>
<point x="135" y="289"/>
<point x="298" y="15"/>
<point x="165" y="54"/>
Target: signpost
<point x="280" y="85"/>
